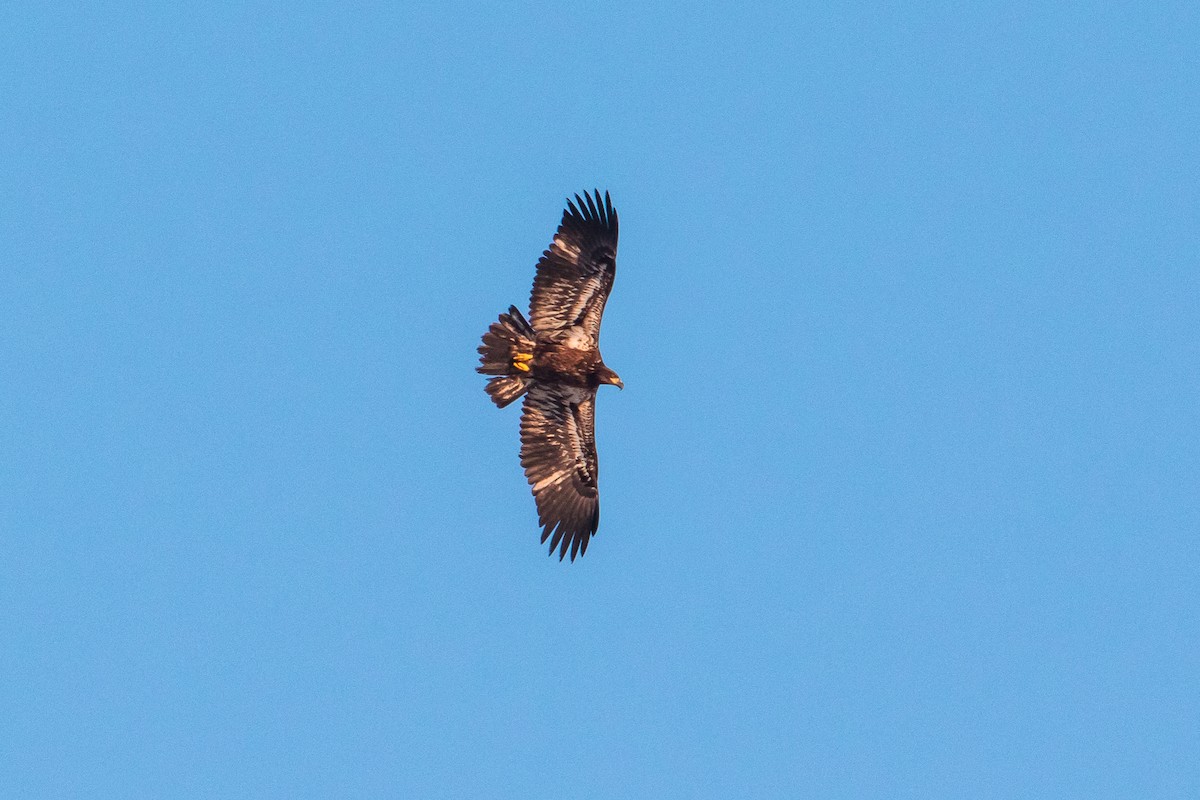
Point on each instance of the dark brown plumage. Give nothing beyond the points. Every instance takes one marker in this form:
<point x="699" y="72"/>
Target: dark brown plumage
<point x="553" y="359"/>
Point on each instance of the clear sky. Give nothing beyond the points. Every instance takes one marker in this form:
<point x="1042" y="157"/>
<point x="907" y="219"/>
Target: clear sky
<point x="900" y="500"/>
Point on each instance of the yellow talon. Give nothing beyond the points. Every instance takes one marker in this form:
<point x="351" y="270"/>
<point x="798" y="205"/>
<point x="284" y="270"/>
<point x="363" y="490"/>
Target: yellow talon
<point x="523" y="357"/>
<point x="521" y="366"/>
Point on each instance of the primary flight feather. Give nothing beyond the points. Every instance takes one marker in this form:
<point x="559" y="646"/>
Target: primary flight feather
<point x="553" y="359"/>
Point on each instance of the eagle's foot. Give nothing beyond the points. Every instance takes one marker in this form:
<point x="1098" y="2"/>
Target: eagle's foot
<point x="521" y="361"/>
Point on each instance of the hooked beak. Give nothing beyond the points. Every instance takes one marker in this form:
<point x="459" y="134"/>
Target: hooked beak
<point x="617" y="382"/>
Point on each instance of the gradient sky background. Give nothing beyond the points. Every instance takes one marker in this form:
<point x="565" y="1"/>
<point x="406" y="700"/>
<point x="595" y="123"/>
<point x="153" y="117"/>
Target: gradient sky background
<point x="901" y="499"/>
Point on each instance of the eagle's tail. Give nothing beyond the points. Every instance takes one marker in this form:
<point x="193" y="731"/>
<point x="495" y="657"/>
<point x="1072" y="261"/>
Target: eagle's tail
<point x="506" y="350"/>
<point x="504" y="390"/>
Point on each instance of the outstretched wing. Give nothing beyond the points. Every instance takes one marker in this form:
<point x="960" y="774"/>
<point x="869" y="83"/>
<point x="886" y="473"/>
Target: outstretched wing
<point x="558" y="452"/>
<point x="575" y="275"/>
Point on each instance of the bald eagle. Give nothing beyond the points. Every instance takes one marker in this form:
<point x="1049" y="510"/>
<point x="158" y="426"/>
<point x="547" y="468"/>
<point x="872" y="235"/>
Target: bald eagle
<point x="553" y="359"/>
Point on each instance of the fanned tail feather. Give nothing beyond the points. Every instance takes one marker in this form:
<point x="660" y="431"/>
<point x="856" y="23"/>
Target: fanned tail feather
<point x="505" y="389"/>
<point x="507" y="337"/>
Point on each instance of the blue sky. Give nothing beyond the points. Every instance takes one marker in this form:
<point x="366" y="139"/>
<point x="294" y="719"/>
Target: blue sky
<point x="900" y="499"/>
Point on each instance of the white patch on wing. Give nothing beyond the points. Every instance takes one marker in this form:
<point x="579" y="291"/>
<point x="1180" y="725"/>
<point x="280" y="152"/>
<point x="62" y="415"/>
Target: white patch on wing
<point x="577" y="339"/>
<point x="551" y="480"/>
<point x="586" y="293"/>
<point x="570" y="250"/>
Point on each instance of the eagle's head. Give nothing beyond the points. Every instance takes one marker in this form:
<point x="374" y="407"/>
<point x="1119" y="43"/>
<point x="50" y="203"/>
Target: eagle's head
<point x="606" y="375"/>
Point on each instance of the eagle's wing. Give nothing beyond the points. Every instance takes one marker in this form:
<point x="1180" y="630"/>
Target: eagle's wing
<point x="575" y="275"/>
<point x="558" y="452"/>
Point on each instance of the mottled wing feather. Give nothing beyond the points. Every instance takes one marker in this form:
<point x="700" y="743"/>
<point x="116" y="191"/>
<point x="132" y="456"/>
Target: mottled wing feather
<point x="575" y="275"/>
<point x="558" y="452"/>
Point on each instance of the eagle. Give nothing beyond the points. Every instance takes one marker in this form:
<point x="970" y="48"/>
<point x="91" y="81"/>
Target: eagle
<point x="553" y="360"/>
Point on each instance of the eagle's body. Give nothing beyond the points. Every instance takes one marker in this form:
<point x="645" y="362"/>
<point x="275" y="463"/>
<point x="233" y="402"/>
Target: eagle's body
<point x="554" y="361"/>
<point x="565" y="363"/>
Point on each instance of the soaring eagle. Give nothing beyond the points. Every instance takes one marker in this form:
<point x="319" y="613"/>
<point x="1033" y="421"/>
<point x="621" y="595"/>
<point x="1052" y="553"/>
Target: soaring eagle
<point x="554" y="360"/>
